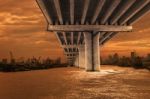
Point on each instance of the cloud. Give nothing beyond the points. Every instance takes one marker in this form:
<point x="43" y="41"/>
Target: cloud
<point x="141" y="43"/>
<point x="23" y="31"/>
<point x="9" y="19"/>
<point x="22" y="12"/>
<point x="132" y="36"/>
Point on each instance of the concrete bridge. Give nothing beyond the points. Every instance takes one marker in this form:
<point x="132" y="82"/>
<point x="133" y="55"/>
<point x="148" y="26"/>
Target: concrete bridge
<point x="81" y="26"/>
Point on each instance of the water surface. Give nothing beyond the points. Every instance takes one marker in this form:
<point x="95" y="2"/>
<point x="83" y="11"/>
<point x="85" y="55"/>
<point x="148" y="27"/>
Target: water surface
<point x="73" y="83"/>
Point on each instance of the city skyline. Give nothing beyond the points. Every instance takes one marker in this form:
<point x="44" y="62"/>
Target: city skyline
<point x="23" y="31"/>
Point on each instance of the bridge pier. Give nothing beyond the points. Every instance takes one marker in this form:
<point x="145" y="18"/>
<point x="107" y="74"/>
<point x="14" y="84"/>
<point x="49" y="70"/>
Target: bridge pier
<point x="126" y="12"/>
<point x="92" y="53"/>
<point x="81" y="56"/>
<point x="70" y="63"/>
<point x="76" y="62"/>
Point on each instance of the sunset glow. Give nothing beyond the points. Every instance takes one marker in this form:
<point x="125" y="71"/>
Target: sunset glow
<point x="23" y="31"/>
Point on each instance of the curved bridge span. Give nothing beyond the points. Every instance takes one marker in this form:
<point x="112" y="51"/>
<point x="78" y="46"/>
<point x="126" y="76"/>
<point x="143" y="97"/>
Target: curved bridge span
<point x="81" y="26"/>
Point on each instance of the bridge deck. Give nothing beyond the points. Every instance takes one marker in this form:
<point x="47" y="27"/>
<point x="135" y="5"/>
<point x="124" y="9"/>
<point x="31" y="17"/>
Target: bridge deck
<point x="90" y="12"/>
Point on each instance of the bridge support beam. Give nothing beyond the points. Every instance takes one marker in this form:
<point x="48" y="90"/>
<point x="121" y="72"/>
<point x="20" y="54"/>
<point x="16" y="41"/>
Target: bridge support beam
<point x="92" y="53"/>
<point x="81" y="56"/>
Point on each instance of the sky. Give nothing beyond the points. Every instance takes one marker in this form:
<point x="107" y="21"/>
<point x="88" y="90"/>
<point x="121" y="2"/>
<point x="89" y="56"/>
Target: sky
<point x="23" y="32"/>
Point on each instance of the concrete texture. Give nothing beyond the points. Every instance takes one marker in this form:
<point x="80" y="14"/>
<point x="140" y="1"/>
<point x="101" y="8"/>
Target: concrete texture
<point x="88" y="51"/>
<point x="76" y="63"/>
<point x="96" y="52"/>
<point x="92" y="53"/>
<point x="81" y="56"/>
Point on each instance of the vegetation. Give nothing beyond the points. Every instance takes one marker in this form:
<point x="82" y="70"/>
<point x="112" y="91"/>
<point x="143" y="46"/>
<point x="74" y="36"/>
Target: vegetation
<point x="29" y="64"/>
<point x="36" y="63"/>
<point x="133" y="61"/>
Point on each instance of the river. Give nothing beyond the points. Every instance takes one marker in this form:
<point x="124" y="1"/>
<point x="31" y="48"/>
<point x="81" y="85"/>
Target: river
<point x="112" y="82"/>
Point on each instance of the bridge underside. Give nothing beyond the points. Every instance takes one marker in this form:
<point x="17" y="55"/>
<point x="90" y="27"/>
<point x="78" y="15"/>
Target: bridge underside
<point x="81" y="26"/>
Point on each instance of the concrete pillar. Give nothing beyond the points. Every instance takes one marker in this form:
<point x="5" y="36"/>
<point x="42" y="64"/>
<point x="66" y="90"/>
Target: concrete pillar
<point x="81" y="56"/>
<point x="76" y="62"/>
<point x="96" y="52"/>
<point x="88" y="51"/>
<point x="69" y="63"/>
<point x="92" y="55"/>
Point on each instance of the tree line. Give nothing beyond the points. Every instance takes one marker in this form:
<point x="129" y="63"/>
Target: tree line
<point x="133" y="61"/>
<point x="29" y="64"/>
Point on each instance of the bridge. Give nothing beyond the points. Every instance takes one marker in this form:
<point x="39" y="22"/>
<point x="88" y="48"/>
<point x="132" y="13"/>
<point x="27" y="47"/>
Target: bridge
<point x="83" y="26"/>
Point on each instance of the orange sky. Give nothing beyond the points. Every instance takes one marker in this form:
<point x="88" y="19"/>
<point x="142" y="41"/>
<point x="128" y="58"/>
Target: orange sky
<point x="23" y="31"/>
